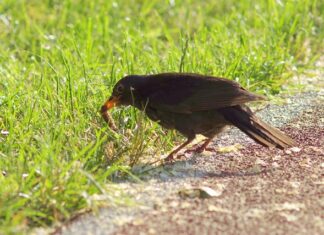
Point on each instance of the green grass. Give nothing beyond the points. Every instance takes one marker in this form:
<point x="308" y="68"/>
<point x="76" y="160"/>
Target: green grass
<point x="60" y="59"/>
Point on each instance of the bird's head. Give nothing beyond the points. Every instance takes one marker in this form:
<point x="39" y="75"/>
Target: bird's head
<point x="124" y="92"/>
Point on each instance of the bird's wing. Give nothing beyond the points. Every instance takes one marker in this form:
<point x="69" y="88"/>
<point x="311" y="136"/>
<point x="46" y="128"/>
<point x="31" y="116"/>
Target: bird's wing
<point x="187" y="93"/>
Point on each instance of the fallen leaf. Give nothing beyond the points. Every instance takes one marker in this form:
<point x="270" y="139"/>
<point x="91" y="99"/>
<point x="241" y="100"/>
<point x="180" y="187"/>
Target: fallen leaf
<point x="201" y="192"/>
<point x="231" y="148"/>
<point x="189" y="193"/>
<point x="214" y="208"/>
<point x="206" y="192"/>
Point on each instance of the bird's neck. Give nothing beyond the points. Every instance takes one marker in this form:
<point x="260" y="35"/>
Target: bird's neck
<point x="140" y="102"/>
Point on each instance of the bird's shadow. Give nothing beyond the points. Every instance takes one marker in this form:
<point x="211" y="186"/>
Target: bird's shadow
<point x="183" y="169"/>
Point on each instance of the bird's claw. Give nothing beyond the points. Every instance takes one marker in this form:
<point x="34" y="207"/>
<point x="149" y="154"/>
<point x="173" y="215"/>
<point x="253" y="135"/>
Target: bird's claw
<point x="201" y="149"/>
<point x="169" y="158"/>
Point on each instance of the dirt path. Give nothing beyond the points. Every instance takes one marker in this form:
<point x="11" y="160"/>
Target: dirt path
<point x="259" y="190"/>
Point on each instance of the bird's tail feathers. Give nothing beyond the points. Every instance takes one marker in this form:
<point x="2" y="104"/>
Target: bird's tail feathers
<point x="243" y="118"/>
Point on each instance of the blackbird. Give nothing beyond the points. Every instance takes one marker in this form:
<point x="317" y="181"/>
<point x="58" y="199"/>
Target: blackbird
<point x="194" y="104"/>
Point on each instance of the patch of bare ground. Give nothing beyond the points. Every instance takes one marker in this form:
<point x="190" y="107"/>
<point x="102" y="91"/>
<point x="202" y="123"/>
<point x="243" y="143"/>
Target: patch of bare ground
<point x="265" y="191"/>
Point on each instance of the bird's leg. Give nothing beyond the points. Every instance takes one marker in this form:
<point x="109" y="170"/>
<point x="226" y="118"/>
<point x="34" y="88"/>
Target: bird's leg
<point x="170" y="157"/>
<point x="202" y="147"/>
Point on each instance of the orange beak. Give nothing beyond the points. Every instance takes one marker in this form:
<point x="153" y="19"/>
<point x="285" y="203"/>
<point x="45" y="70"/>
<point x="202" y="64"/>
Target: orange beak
<point x="112" y="102"/>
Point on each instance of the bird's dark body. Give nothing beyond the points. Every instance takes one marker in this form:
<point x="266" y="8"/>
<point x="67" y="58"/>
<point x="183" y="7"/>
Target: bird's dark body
<point x="208" y="123"/>
<point x="196" y="104"/>
<point x="185" y="93"/>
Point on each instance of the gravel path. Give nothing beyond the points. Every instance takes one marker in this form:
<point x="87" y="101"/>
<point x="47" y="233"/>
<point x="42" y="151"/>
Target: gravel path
<point x="258" y="190"/>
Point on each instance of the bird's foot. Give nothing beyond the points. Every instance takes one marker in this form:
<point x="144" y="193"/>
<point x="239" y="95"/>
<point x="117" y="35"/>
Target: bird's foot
<point x="200" y="149"/>
<point x="169" y="158"/>
<point x="203" y="147"/>
<point x="172" y="157"/>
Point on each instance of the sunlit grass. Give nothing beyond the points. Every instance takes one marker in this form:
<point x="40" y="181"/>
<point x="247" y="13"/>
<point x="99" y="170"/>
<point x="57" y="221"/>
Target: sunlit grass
<point x="60" y="59"/>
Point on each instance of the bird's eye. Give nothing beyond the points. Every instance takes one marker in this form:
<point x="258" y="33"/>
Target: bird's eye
<point x="120" y="88"/>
